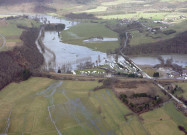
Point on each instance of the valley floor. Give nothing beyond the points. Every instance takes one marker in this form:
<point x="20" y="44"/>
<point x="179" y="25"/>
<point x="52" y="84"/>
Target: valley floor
<point x="41" y="106"/>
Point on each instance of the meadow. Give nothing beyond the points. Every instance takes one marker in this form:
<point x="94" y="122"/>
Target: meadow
<point x="12" y="33"/>
<point x="52" y="107"/>
<point x="154" y="16"/>
<point x="164" y="120"/>
<point x="141" y="38"/>
<point x="184" y="87"/>
<point x="84" y="31"/>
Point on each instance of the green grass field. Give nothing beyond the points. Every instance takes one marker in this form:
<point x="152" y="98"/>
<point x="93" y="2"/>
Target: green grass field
<point x="95" y="10"/>
<point x="2" y="16"/>
<point x="184" y="87"/>
<point x="11" y="28"/>
<point x="117" y="2"/>
<point x="36" y="106"/>
<point x="83" y="31"/>
<point x="164" y="120"/>
<point x="154" y="16"/>
<point x="141" y="38"/>
<point x="12" y="33"/>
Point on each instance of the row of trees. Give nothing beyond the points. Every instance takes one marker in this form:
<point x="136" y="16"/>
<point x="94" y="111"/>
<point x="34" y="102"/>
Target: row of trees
<point x="169" y="63"/>
<point x="81" y="16"/>
<point x="153" y="101"/>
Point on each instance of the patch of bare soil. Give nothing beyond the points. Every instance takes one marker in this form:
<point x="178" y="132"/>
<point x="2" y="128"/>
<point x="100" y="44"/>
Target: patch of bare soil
<point x="131" y="87"/>
<point x="3" y="22"/>
<point x="139" y="101"/>
<point x="13" y="44"/>
<point x="12" y="37"/>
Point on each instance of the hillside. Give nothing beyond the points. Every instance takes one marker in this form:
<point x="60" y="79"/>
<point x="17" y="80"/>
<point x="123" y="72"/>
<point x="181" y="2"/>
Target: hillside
<point x="175" y="45"/>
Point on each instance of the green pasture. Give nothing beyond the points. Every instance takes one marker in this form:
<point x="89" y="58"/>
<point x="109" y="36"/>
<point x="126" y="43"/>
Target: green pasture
<point x="164" y="120"/>
<point x="11" y="28"/>
<point x="137" y="15"/>
<point x="74" y="109"/>
<point x="95" y="10"/>
<point x="2" y="16"/>
<point x="141" y="38"/>
<point x="12" y="33"/>
<point x="184" y="87"/>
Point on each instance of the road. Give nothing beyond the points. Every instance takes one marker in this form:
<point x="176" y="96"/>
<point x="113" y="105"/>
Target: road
<point x="4" y="41"/>
<point x="145" y="75"/>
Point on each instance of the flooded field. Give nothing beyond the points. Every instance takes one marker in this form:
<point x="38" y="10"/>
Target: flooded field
<point x="179" y="59"/>
<point x="64" y="108"/>
<point x="95" y="40"/>
<point x="68" y="53"/>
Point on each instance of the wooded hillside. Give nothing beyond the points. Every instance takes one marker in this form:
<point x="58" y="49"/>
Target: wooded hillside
<point x="177" y="45"/>
<point x="14" y="63"/>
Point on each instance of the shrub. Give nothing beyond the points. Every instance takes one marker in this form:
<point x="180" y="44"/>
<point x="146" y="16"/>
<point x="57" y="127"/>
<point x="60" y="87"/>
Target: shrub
<point x="140" y="95"/>
<point x="181" y="128"/>
<point x="168" y="32"/>
<point x="156" y="74"/>
<point x="26" y="74"/>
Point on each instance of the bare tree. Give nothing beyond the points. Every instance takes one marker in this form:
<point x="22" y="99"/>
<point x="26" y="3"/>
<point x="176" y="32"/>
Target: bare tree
<point x="161" y="60"/>
<point x="169" y="62"/>
<point x="99" y="58"/>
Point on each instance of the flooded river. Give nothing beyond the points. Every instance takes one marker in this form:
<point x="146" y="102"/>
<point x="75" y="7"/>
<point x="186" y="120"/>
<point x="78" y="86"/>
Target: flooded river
<point x="67" y="53"/>
<point x="179" y="59"/>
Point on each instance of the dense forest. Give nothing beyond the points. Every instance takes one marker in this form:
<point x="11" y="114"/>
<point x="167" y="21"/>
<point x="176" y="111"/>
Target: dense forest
<point x="177" y="45"/>
<point x="14" y="64"/>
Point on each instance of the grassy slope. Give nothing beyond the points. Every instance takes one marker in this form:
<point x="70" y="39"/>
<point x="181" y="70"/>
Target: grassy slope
<point x="154" y="16"/>
<point x="76" y="110"/>
<point x="171" y="118"/>
<point x="97" y="9"/>
<point x="12" y="32"/>
<point x="2" y="16"/>
<point x="184" y="87"/>
<point x="27" y="110"/>
<point x="140" y="38"/>
<point x="84" y="31"/>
